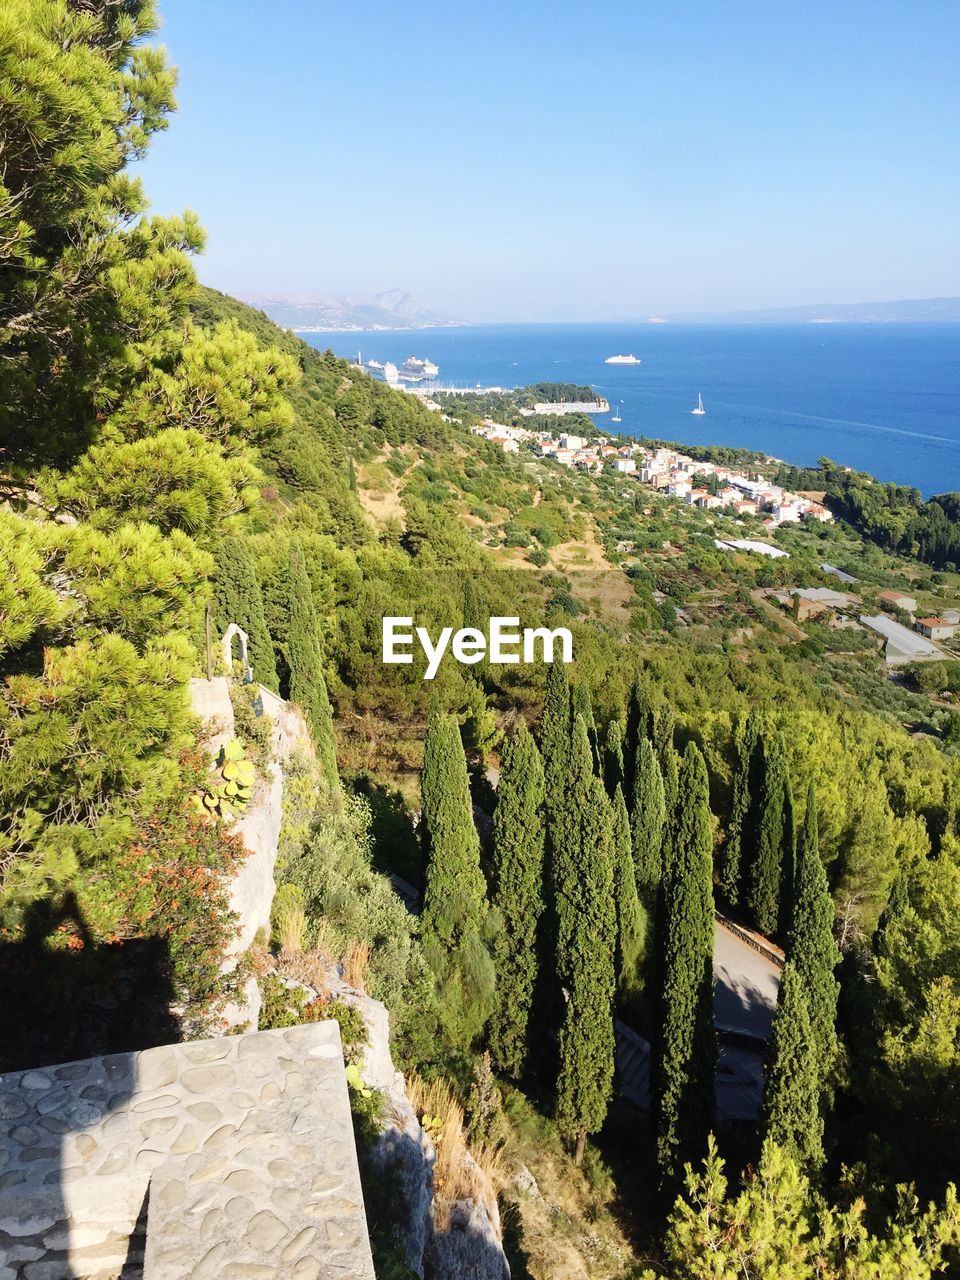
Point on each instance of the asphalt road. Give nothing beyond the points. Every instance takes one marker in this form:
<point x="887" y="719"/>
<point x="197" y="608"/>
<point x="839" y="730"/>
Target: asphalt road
<point x="745" y="985"/>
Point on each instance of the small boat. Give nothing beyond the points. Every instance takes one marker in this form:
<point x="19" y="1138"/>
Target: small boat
<point x="699" y="411"/>
<point x="617" y="416"/>
<point x="631" y="359"/>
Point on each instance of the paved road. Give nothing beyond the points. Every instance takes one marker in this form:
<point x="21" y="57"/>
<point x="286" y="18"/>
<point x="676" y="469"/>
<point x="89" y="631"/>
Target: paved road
<point x="745" y="985"/>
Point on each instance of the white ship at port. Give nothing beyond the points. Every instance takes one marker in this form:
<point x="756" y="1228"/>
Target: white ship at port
<point x="631" y="359"/>
<point x="414" y="369"/>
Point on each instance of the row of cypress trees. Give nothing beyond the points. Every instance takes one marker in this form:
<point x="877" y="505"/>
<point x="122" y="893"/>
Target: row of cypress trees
<point x="238" y="598"/>
<point x="599" y="905"/>
<point x="757" y="870"/>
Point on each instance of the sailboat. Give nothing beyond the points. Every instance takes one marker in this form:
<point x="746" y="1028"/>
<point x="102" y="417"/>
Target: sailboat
<point x="617" y="416"/>
<point x="699" y="410"/>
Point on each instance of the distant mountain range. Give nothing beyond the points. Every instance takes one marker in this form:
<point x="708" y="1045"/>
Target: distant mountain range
<point x="914" y="311"/>
<point x="321" y="312"/>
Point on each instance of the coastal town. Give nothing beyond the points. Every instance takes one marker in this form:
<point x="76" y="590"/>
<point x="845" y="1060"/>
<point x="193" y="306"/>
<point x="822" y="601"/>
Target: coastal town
<point x="698" y="484"/>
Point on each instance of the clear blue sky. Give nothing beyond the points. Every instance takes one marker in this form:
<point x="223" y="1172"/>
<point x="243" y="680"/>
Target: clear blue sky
<point x="558" y="161"/>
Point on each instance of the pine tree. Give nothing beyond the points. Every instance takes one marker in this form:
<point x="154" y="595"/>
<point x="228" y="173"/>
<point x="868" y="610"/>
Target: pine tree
<point x="613" y="770"/>
<point x="631" y="917"/>
<point x="744" y="781"/>
<point x="774" y="839"/>
<point x="685" y="1075"/>
<point x="454" y="901"/>
<point x="647" y="824"/>
<point x="811" y="948"/>
<point x="238" y="599"/>
<point x="586" y="942"/>
<point x="518" y="897"/>
<point x="308" y="688"/>
<point x="791" y="1102"/>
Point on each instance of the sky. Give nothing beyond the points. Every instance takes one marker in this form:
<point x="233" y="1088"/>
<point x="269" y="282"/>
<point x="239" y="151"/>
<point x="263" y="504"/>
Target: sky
<point x="513" y="160"/>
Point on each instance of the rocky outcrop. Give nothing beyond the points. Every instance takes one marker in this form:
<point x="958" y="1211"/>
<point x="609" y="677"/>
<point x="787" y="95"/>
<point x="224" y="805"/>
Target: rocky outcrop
<point x="253" y="887"/>
<point x="443" y="1239"/>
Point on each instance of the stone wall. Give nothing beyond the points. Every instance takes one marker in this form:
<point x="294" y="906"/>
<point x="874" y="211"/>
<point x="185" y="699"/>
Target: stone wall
<point x="238" y="1150"/>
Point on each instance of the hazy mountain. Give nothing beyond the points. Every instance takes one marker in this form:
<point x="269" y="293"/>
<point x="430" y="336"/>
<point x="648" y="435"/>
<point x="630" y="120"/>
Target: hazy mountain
<point x="913" y="311"/>
<point x="392" y="309"/>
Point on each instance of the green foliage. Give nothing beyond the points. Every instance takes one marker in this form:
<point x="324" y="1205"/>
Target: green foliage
<point x="586" y="944"/>
<point x="224" y="386"/>
<point x="325" y="854"/>
<point x="810" y="945"/>
<point x="231" y="789"/>
<point x="238" y="598"/>
<point x="27" y="602"/>
<point x="175" y="479"/>
<point x="84" y="746"/>
<point x="454" y="903"/>
<point x="647" y="820"/>
<point x="308" y="687"/>
<point x="90" y="288"/>
<point x="613" y="762"/>
<point x="792" y="1116"/>
<point x="686" y="1056"/>
<point x="631" y="917"/>
<point x="746" y="780"/>
<point x="774" y="1229"/>
<point x="772" y="851"/>
<point x="517" y="898"/>
<point x="171" y="879"/>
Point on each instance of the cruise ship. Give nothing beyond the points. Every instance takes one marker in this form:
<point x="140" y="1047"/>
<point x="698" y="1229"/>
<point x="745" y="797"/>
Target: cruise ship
<point x="414" y="369"/>
<point x="631" y="359"/>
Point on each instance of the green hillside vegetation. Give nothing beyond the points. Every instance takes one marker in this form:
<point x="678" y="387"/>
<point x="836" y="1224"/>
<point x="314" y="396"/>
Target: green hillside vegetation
<point x="164" y="448"/>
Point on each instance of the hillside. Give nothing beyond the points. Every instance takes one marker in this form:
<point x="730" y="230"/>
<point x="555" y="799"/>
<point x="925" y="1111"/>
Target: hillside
<point x="523" y="861"/>
<point x="392" y="309"/>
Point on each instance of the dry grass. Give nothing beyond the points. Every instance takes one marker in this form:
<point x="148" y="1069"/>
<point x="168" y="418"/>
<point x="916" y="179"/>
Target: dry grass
<point x="291" y="926"/>
<point x="355" y="964"/>
<point x="310" y="967"/>
<point x="459" y="1173"/>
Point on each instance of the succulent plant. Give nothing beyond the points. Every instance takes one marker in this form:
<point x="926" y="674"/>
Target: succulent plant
<point x="232" y="788"/>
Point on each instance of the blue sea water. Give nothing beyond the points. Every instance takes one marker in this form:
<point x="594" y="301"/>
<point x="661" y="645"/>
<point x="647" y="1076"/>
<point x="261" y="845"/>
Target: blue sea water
<point x="879" y="398"/>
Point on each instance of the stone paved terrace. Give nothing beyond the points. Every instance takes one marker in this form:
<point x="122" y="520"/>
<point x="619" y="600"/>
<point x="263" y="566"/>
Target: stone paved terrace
<point x="237" y="1156"/>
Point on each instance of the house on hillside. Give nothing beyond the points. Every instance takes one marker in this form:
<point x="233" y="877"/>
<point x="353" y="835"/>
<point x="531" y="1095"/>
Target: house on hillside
<point x="935" y="628"/>
<point x="900" y="601"/>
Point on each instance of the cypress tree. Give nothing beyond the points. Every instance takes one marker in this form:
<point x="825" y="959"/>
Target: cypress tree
<point x="639" y="726"/>
<point x="238" y="598"/>
<point x="454" y="901"/>
<point x="811" y="948"/>
<point x="788" y="867"/>
<point x="308" y="688"/>
<point x="613" y="772"/>
<point x="555" y="730"/>
<point x="791" y="1098"/>
<point x="518" y="896"/>
<point x="647" y="824"/>
<point x="685" y="1075"/>
<point x="555" y="726"/>
<point x="582" y="705"/>
<point x="669" y="769"/>
<point x="586" y="942"/>
<point x="663" y="727"/>
<point x="631" y="917"/>
<point x="774" y="839"/>
<point x="744" y="781"/>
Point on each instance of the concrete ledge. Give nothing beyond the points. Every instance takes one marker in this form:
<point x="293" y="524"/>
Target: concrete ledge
<point x="242" y="1149"/>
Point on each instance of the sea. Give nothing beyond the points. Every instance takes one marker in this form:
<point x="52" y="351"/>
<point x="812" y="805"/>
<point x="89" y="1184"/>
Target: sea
<point x="881" y="398"/>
